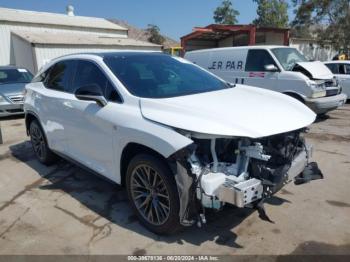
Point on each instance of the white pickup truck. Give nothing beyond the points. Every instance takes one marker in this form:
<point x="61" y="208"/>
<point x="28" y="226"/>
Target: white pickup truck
<point x="279" y="68"/>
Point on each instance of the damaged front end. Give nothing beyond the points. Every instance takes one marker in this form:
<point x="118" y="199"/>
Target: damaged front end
<point x="243" y="172"/>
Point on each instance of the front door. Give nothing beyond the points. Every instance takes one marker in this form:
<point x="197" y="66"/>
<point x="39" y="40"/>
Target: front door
<point x="90" y="131"/>
<point x="256" y="73"/>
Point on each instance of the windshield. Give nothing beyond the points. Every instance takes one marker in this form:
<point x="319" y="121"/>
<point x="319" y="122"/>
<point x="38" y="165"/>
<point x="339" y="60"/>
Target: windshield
<point x="13" y="75"/>
<point x="155" y="75"/>
<point x="288" y="57"/>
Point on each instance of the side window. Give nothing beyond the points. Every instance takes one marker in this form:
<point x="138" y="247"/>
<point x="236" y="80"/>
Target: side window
<point x="60" y="76"/>
<point x="342" y="69"/>
<point x="257" y="60"/>
<point x="41" y="77"/>
<point x="88" y="73"/>
<point x="333" y="68"/>
<point x="347" y="69"/>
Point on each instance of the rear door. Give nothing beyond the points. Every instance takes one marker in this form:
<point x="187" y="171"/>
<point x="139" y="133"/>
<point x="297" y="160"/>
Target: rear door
<point x="52" y="103"/>
<point x="255" y="72"/>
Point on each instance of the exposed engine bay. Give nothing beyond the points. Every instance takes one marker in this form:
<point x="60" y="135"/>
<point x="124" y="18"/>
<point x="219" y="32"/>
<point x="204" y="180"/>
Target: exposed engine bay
<point x="239" y="171"/>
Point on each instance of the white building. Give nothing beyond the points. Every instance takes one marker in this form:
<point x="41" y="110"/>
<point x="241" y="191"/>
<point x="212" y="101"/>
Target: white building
<point x="312" y="49"/>
<point x="30" y="39"/>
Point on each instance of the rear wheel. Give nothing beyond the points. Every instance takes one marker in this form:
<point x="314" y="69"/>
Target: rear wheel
<point x="153" y="194"/>
<point x="39" y="143"/>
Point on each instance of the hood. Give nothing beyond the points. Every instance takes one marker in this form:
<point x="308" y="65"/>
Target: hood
<point x="12" y="89"/>
<point x="241" y="111"/>
<point x="317" y="70"/>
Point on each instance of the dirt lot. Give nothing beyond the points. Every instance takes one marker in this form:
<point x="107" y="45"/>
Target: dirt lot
<point x="65" y="210"/>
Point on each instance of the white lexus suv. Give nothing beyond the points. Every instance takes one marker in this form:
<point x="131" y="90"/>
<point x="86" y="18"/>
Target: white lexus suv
<point x="180" y="139"/>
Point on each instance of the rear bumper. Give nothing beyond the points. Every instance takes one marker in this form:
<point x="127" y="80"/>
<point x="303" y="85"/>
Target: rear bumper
<point x="325" y="104"/>
<point x="11" y="109"/>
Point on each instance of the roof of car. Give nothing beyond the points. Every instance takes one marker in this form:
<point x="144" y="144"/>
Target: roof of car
<point x="337" y="62"/>
<point x="240" y="48"/>
<point x="9" y="67"/>
<point x="110" y="53"/>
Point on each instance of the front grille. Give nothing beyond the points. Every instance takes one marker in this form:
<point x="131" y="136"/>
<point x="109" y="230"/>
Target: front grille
<point x="17" y="99"/>
<point x="330" y="83"/>
<point x="14" y="110"/>
<point x="332" y="92"/>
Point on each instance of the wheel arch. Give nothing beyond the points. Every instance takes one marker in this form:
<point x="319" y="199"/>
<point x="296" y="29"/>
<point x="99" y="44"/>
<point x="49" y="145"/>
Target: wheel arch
<point x="295" y="95"/>
<point x="129" y="151"/>
<point x="29" y="117"/>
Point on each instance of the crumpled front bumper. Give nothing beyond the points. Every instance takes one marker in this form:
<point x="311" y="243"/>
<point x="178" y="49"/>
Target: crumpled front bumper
<point x="323" y="105"/>
<point x="242" y="194"/>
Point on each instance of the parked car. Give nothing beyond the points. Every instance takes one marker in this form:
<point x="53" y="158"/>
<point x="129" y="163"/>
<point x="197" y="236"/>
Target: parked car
<point x="279" y="68"/>
<point x="12" y="82"/>
<point x="177" y="137"/>
<point x="341" y="69"/>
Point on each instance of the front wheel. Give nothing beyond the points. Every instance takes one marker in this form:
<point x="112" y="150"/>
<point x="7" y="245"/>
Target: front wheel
<point x="153" y="194"/>
<point x="39" y="143"/>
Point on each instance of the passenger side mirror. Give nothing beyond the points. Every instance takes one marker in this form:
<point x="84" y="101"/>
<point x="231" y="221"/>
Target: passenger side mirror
<point x="91" y="93"/>
<point x="271" y="68"/>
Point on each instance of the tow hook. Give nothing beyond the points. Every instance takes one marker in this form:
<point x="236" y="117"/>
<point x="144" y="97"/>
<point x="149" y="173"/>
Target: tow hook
<point x="310" y="172"/>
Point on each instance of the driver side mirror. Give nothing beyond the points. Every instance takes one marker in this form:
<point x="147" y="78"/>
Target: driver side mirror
<point x="271" y="68"/>
<point x="91" y="93"/>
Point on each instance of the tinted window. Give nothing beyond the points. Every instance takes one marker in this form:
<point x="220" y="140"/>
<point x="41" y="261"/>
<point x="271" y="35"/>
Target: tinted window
<point x="90" y="74"/>
<point x="60" y="76"/>
<point x="14" y="75"/>
<point x="40" y="77"/>
<point x="333" y="68"/>
<point x="257" y="60"/>
<point x="156" y="75"/>
<point x="343" y="69"/>
<point x="347" y="69"/>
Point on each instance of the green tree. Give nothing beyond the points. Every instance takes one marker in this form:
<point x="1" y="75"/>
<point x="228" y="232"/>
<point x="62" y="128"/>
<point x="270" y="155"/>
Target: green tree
<point x="327" y="20"/>
<point x="272" y="13"/>
<point x="225" y="13"/>
<point x="154" y="34"/>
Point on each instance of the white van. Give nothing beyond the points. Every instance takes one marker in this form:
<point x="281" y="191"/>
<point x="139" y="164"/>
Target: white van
<point x="279" y="68"/>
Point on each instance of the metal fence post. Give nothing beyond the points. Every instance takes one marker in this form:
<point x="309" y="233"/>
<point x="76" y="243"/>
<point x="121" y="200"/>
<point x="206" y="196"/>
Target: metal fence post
<point x="0" y="135"/>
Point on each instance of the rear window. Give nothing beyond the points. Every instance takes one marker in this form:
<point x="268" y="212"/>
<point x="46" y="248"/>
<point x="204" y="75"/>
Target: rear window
<point x="14" y="75"/>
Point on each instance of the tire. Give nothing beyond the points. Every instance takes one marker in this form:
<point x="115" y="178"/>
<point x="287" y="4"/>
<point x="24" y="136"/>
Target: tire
<point x="39" y="144"/>
<point x="148" y="199"/>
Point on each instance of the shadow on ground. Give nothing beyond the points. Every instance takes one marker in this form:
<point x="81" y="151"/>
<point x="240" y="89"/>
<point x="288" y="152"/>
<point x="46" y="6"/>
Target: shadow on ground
<point x="109" y="200"/>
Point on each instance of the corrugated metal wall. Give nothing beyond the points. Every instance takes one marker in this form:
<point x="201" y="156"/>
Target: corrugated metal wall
<point x="44" y="53"/>
<point x="23" y="54"/>
<point x="7" y="55"/>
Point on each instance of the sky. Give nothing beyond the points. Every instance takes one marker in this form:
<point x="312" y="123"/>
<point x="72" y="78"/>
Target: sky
<point x="174" y="18"/>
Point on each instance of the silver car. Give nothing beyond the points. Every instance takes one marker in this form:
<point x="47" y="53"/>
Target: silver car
<point x="341" y="70"/>
<point x="12" y="82"/>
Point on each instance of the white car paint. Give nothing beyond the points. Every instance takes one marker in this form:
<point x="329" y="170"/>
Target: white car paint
<point x="342" y="74"/>
<point x="96" y="135"/>
<point x="317" y="70"/>
<point x="229" y="63"/>
<point x="242" y="111"/>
